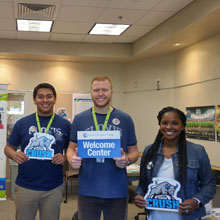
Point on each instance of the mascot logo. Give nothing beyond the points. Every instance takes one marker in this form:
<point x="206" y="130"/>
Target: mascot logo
<point x="162" y="194"/>
<point x="39" y="147"/>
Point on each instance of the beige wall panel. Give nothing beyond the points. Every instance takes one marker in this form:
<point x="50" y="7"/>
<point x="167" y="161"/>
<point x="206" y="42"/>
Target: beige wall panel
<point x="196" y="64"/>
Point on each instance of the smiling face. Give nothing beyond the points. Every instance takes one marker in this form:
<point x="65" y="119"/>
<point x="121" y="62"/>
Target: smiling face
<point x="171" y="126"/>
<point x="44" y="101"/>
<point x="101" y="92"/>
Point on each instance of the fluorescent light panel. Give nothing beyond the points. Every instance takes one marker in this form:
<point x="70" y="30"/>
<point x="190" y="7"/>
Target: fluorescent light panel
<point x="109" y="29"/>
<point x="34" y="25"/>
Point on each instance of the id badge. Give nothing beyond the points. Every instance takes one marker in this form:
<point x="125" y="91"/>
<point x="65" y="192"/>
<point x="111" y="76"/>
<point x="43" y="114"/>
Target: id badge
<point x="100" y="160"/>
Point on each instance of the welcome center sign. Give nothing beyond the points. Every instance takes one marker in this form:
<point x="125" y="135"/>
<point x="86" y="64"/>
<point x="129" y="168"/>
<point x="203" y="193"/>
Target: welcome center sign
<point x="99" y="144"/>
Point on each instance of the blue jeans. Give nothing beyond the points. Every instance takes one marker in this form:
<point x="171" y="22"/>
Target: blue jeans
<point x="90" y="208"/>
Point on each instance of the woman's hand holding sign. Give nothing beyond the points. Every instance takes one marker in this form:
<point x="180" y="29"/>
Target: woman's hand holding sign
<point x="139" y="201"/>
<point x="189" y="205"/>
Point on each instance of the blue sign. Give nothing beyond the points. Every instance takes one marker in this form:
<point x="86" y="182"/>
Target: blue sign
<point x="99" y="144"/>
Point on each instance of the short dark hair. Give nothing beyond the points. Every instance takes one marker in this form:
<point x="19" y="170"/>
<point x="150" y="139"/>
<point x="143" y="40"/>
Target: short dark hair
<point x="44" y="85"/>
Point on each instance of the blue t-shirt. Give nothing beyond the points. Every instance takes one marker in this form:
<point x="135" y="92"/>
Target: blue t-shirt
<point x="36" y="174"/>
<point x="104" y="180"/>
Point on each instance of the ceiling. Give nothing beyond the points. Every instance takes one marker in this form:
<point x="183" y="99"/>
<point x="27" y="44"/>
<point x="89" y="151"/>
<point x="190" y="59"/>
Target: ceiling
<point x="73" y="19"/>
<point x="156" y="25"/>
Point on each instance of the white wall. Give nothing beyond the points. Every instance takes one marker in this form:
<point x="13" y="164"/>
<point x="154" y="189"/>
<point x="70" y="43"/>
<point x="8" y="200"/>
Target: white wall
<point x="197" y="63"/>
<point x="144" y="102"/>
<point x="67" y="77"/>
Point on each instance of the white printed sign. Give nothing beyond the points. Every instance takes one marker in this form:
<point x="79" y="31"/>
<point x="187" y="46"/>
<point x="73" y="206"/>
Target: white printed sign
<point x="162" y="195"/>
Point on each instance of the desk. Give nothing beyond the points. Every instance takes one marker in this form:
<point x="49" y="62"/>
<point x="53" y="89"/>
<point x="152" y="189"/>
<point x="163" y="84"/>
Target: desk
<point x="133" y="173"/>
<point x="215" y="168"/>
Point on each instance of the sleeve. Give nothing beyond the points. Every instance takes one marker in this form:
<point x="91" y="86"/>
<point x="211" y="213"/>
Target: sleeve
<point x="132" y="140"/>
<point x="207" y="183"/>
<point x="15" y="137"/>
<point x="74" y="127"/>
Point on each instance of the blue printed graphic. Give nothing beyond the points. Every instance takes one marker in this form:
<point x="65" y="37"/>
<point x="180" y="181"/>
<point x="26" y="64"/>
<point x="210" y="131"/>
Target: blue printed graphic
<point x="162" y="194"/>
<point x="99" y="144"/>
<point x="99" y="148"/>
<point x="39" y="147"/>
<point x="2" y="183"/>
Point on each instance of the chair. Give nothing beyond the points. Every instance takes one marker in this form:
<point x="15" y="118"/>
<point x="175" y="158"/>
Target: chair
<point x="75" y="216"/>
<point x="138" y="214"/>
<point x="69" y="173"/>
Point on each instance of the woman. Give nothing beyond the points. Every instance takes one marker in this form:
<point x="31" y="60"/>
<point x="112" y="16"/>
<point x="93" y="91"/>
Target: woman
<point x="172" y="156"/>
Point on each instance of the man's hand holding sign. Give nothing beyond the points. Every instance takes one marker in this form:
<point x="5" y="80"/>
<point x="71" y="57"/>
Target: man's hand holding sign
<point x="121" y="162"/>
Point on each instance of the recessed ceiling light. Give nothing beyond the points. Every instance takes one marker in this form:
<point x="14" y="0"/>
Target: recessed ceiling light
<point x="34" y="25"/>
<point x="177" y="44"/>
<point x="109" y="29"/>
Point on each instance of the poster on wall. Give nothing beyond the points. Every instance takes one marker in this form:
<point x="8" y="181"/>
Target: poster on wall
<point x="3" y="129"/>
<point x="200" y="123"/>
<point x="81" y="102"/>
<point x="218" y="122"/>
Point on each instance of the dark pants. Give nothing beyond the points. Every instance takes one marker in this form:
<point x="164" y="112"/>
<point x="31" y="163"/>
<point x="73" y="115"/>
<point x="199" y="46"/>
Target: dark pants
<point x="90" y="208"/>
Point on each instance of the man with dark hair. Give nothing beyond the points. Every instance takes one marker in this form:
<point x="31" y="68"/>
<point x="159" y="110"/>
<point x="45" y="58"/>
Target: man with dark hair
<point x="45" y="86"/>
<point x="43" y="137"/>
<point x="103" y="184"/>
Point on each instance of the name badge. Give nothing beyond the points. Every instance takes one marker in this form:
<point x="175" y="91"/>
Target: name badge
<point x="99" y="144"/>
<point x="162" y="195"/>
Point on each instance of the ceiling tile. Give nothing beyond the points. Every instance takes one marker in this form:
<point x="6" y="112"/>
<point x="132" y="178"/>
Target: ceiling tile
<point x="113" y="16"/>
<point x="82" y="14"/>
<point x="8" y="34"/>
<point x="71" y="27"/>
<point x="96" y="3"/>
<point x="138" y="30"/>
<point x="172" y="5"/>
<point x="126" y="39"/>
<point x="67" y="37"/>
<point x="23" y="35"/>
<point x="6" y="10"/>
<point x="7" y="25"/>
<point x="154" y="17"/>
<point x="101" y="39"/>
<point x="134" y="4"/>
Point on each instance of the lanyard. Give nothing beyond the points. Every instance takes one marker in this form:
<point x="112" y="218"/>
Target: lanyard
<point x="106" y="119"/>
<point x="49" y="123"/>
